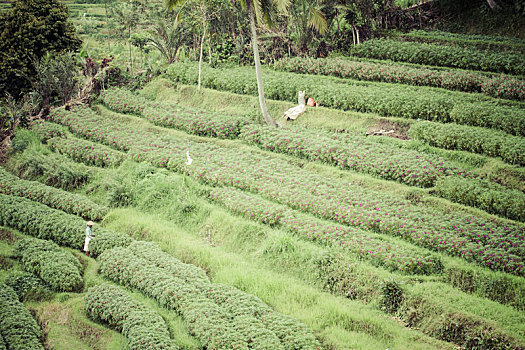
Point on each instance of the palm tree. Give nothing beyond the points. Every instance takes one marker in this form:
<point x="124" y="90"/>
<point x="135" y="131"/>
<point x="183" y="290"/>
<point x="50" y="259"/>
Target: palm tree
<point x="262" y="11"/>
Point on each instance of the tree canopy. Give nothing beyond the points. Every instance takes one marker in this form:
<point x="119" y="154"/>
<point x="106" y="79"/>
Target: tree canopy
<point x="30" y="30"/>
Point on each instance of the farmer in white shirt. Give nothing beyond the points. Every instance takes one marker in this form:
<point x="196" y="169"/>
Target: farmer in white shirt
<point x="89" y="236"/>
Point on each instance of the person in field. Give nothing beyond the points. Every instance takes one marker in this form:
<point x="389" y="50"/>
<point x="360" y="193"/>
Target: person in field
<point x="89" y="236"/>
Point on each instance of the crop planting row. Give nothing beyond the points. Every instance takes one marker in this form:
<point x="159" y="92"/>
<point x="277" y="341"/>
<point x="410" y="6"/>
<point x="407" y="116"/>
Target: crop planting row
<point x="50" y="196"/>
<point x="370" y="246"/>
<point x="43" y="222"/>
<point x="193" y="121"/>
<point x="356" y="153"/>
<point x="86" y="152"/>
<point x="143" y="328"/>
<point x="482" y="41"/>
<point x="441" y="55"/>
<point x="46" y="130"/>
<point x="57" y="267"/>
<point x="498" y="86"/>
<point x="472" y="139"/>
<point x="494" y="245"/>
<point x="389" y="100"/>
<point x="18" y="328"/>
<point x="222" y="317"/>
<point x="483" y="194"/>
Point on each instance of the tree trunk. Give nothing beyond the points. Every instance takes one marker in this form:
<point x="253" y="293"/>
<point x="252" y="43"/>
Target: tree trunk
<point x="107" y="23"/>
<point x="258" y="72"/>
<point x="200" y="58"/>
<point x="493" y="5"/>
<point x="130" y="55"/>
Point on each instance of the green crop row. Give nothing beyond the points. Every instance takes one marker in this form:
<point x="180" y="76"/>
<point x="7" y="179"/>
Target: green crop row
<point x="18" y="328"/>
<point x="488" y="42"/>
<point x="472" y="139"/>
<point x="52" y="169"/>
<point x="86" y="152"/>
<point x="441" y="55"/>
<point x="483" y="194"/>
<point x="57" y="267"/>
<point x="28" y="287"/>
<point x="372" y="247"/>
<point x="123" y="101"/>
<point x="498" y="86"/>
<point x="347" y="152"/>
<point x="390" y="100"/>
<point x="46" y="130"/>
<point x="143" y="328"/>
<point x="492" y="244"/>
<point x="357" y="153"/>
<point x="193" y="121"/>
<point x="221" y="316"/>
<point x="50" y="196"/>
<point x="43" y="222"/>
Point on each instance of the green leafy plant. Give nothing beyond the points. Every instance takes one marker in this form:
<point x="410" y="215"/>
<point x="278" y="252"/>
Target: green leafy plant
<point x="57" y="267"/>
<point x="17" y="327"/>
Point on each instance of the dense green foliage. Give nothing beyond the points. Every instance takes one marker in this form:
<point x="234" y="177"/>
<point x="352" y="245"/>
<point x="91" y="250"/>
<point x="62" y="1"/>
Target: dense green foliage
<point x="483" y="194"/>
<point x="353" y="152"/>
<point x="143" y="328"/>
<point x="234" y="319"/>
<point x="55" y="198"/>
<point x="193" y="121"/>
<point x="46" y="130"/>
<point x="472" y="139"/>
<point x="40" y="221"/>
<point x="499" y="86"/>
<point x="57" y="267"/>
<point x="18" y="328"/>
<point x="385" y="99"/>
<point x="52" y="169"/>
<point x="86" y="152"/>
<point x="496" y="43"/>
<point x="441" y="55"/>
<point x="28" y="287"/>
<point x="29" y="30"/>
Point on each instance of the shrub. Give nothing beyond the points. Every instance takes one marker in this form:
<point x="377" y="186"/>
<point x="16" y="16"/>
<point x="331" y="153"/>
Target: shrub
<point x="483" y="194"/>
<point x="391" y="296"/>
<point x="57" y="267"/>
<point x="55" y="198"/>
<point x="143" y="328"/>
<point x="17" y="327"/>
<point x="472" y="139"/>
<point x="28" y="287"/>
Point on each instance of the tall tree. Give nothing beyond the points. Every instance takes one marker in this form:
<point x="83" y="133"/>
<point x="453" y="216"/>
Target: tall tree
<point x="128" y="15"/>
<point x="28" y="31"/>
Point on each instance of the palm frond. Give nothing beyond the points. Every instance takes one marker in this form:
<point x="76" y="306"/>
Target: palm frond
<point x="317" y="20"/>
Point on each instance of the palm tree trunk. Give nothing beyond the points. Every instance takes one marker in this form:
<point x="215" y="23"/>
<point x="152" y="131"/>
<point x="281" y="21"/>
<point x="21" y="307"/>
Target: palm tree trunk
<point x="200" y="58"/>
<point x="262" y="102"/>
<point x="130" y="56"/>
<point x="107" y="22"/>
